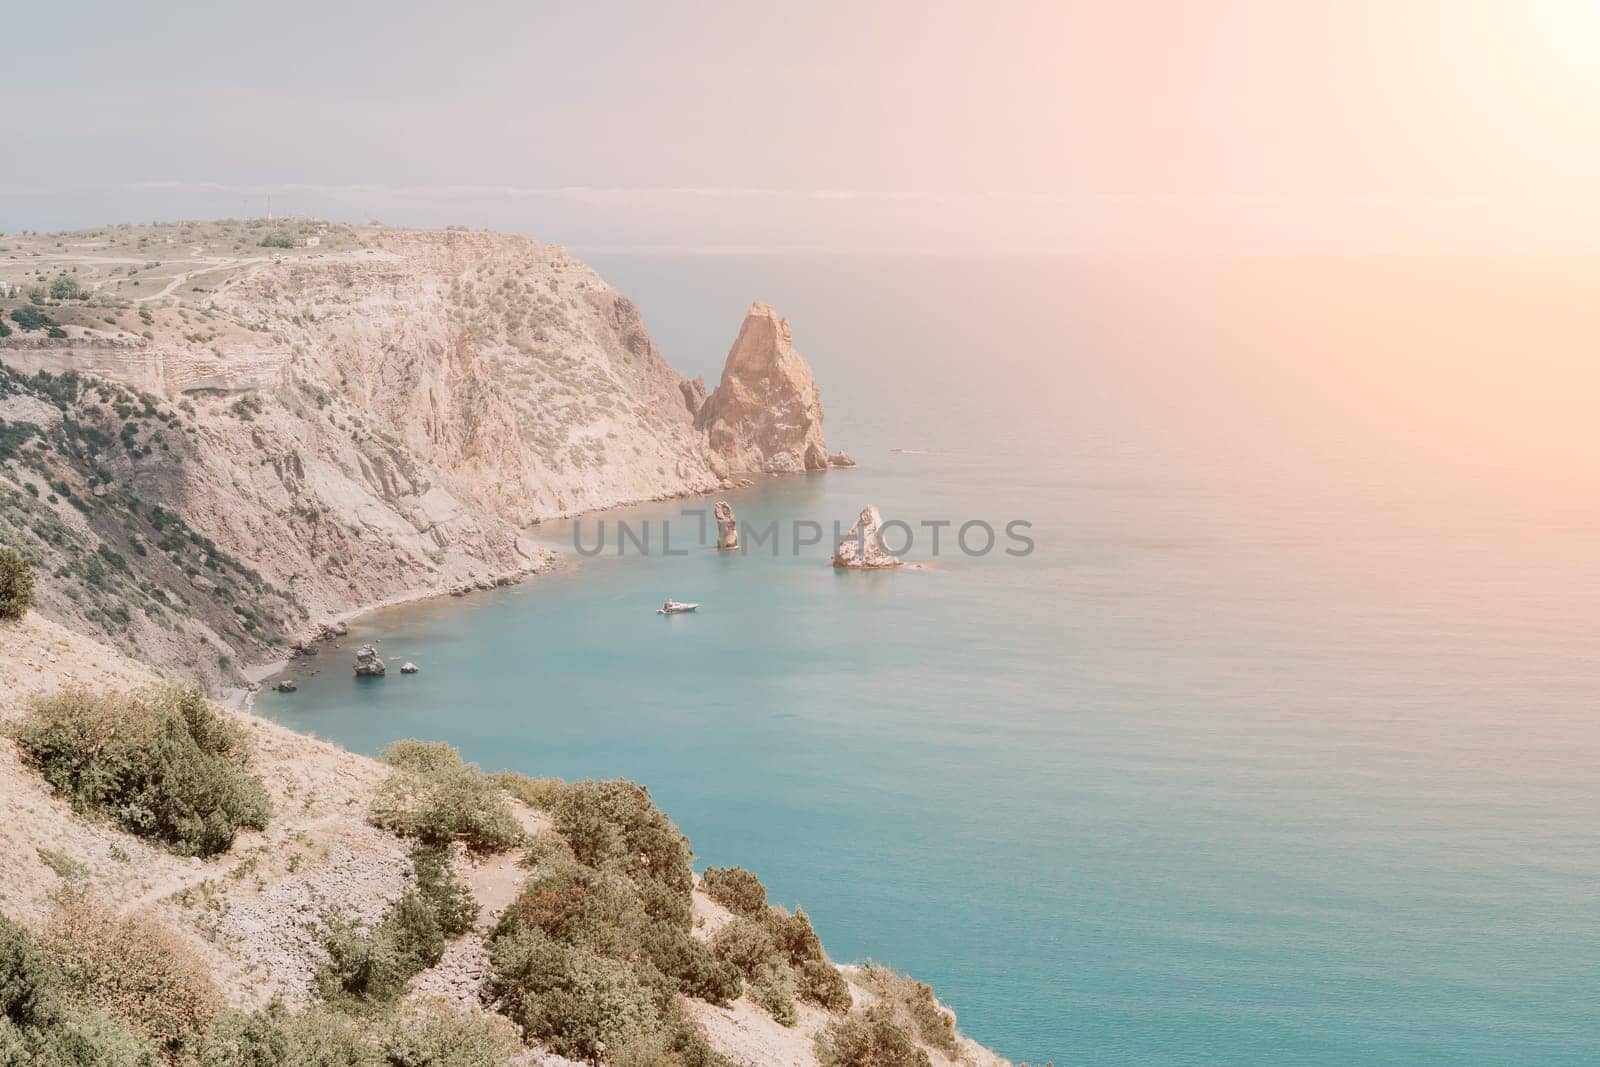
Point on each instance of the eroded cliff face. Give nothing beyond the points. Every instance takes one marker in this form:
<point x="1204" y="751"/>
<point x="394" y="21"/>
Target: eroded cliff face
<point x="765" y="414"/>
<point x="498" y="359"/>
<point x="204" y="533"/>
<point x="370" y="418"/>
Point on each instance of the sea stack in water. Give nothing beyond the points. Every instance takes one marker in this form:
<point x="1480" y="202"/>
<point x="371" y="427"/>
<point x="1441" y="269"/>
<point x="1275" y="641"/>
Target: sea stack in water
<point x="860" y="549"/>
<point x="368" y="665"/>
<point x="765" y="414"/>
<point x="727" y="527"/>
<point x="409" y="668"/>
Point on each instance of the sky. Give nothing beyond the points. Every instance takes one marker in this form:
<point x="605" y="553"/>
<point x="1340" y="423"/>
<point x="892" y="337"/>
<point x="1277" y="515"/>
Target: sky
<point x="1122" y="125"/>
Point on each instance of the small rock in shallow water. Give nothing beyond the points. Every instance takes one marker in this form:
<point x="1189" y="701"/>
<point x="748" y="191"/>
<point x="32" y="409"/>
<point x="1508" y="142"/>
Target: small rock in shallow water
<point x="368" y="665"/>
<point x="409" y="668"/>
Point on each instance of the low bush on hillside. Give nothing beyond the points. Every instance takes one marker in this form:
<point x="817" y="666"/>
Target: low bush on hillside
<point x="39" y="1024"/>
<point x="914" y="1006"/>
<point x="436" y="1034"/>
<point x="597" y="950"/>
<point x="429" y="1034"/>
<point x="16" y="585"/>
<point x="160" y="762"/>
<point x="437" y="798"/>
<point x="280" y="239"/>
<point x="64" y="287"/>
<point x="614" y="824"/>
<point x="369" y="968"/>
<point x="779" y="955"/>
<point x="134" y="969"/>
<point x="541" y="793"/>
<point x="453" y="906"/>
<point x="276" y="1037"/>
<point x="575" y="1002"/>
<point x="31" y="318"/>
<point x="869" y="1038"/>
<point x="735" y="889"/>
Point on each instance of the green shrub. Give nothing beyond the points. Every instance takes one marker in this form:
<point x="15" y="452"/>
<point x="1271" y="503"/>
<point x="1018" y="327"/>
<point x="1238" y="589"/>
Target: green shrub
<point x="780" y="957"/>
<point x="453" y="905"/>
<point x="16" y="584"/>
<point x="159" y="762"/>
<point x="75" y="1038"/>
<point x="134" y="969"/>
<point x="615" y="823"/>
<point x="40" y="1026"/>
<point x="430" y="758"/>
<point x="280" y="239"/>
<point x="436" y="1034"/>
<point x="31" y="318"/>
<point x="65" y="288"/>
<point x="574" y="1002"/>
<point x="914" y="1005"/>
<point x="745" y="943"/>
<point x="821" y="983"/>
<point x="773" y="987"/>
<point x="372" y="967"/>
<point x="735" y="889"/>
<point x="869" y="1039"/>
<point x="436" y="798"/>
<point x="578" y="905"/>
<point x="275" y="1037"/>
<point x="693" y="968"/>
<point x="29" y="993"/>
<point x="541" y="793"/>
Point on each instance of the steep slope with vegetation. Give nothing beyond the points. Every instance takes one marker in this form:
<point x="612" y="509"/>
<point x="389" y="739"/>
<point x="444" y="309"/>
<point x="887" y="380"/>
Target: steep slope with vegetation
<point x="351" y="911"/>
<point x="202" y="533"/>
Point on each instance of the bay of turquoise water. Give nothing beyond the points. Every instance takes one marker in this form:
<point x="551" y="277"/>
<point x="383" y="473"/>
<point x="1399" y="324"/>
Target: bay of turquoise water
<point x="1281" y="747"/>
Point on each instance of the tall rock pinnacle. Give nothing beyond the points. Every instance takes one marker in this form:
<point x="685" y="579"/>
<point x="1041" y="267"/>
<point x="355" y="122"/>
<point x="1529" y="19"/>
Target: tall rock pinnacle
<point x="765" y="415"/>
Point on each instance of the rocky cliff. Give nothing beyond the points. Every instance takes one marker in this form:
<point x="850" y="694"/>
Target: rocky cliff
<point x="367" y="414"/>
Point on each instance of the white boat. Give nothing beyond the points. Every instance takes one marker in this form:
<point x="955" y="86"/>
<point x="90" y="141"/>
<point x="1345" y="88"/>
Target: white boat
<point x="675" y="607"/>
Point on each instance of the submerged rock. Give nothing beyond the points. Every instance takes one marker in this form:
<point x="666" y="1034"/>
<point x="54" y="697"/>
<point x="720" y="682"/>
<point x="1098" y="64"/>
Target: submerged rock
<point x="727" y="527"/>
<point x="368" y="665"/>
<point x="286" y="686"/>
<point x="765" y="414"/>
<point x="860" y="548"/>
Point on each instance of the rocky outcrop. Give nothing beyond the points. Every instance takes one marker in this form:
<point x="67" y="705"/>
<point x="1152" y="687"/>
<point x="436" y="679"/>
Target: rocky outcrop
<point x="694" y="394"/>
<point x="765" y="414"/>
<point x="861" y="549"/>
<point x="840" y="459"/>
<point x="368" y="665"/>
<point x="727" y="527"/>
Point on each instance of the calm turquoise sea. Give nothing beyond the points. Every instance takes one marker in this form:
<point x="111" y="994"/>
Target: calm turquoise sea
<point x="1282" y="747"/>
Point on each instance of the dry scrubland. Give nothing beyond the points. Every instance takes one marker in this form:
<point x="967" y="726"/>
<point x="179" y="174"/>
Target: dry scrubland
<point x="414" y="911"/>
